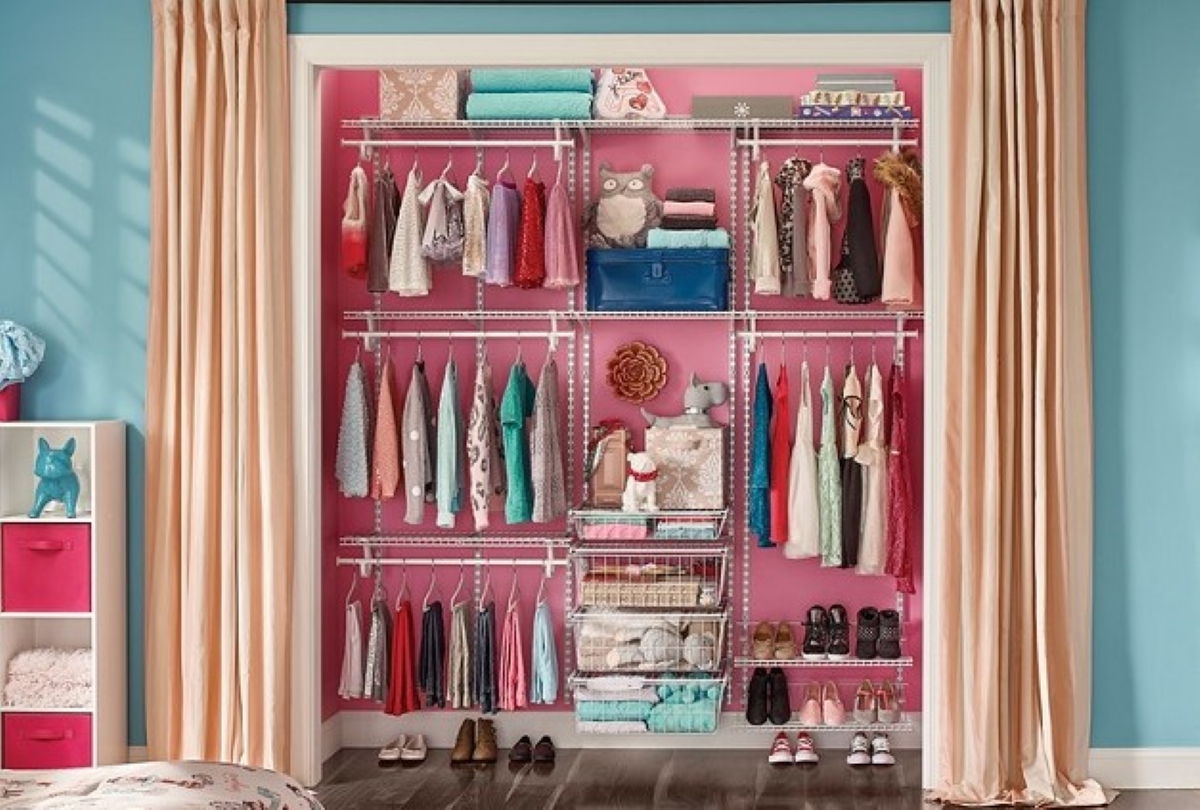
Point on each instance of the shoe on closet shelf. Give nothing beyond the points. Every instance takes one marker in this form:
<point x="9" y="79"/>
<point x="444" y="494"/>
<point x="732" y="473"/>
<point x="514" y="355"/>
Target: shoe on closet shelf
<point x="864" y="703"/>
<point x="779" y="706"/>
<point x="464" y="743"/>
<point x="889" y="634"/>
<point x="390" y="753"/>
<point x="810" y="706"/>
<point x="887" y="707"/>
<point x="522" y="751"/>
<point x="860" y="750"/>
<point x="414" y="749"/>
<point x="806" y="751"/>
<point x="785" y="642"/>
<point x="839" y="633"/>
<point x="867" y="637"/>
<point x="831" y="705"/>
<point x="762" y="645"/>
<point x="485" y="741"/>
<point x="781" y="750"/>
<point x="816" y="634"/>
<point x="543" y="752"/>
<point x="756" y="698"/>
<point x="881" y="750"/>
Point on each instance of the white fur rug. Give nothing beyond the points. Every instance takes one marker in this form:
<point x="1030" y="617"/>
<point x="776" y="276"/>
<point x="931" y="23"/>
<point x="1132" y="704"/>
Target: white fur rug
<point x="49" y="678"/>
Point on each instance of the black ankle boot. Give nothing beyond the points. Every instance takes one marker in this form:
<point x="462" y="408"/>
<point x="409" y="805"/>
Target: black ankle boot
<point x="756" y="698"/>
<point x="839" y="632"/>
<point x="816" y="634"/>
<point x="779" y="707"/>
<point x="889" y="634"/>
<point x="868" y="634"/>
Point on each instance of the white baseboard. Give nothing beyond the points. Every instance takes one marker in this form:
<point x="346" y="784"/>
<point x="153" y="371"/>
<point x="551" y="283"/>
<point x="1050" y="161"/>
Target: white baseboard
<point x="331" y="736"/>
<point x="1146" y="768"/>
<point x="361" y="729"/>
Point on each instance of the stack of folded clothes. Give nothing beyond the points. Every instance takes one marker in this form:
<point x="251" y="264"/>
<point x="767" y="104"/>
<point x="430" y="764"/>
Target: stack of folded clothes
<point x="530" y="94"/>
<point x="689" y="221"/>
<point x="613" y="705"/>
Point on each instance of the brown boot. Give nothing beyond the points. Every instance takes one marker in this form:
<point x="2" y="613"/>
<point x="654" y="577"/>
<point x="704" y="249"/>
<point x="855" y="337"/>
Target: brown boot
<point x="485" y="741"/>
<point x="464" y="746"/>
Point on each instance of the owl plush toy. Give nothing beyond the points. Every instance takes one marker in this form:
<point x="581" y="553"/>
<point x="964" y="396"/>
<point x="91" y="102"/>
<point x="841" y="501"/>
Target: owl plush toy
<point x="625" y="210"/>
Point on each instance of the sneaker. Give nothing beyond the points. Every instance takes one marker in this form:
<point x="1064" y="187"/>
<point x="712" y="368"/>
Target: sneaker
<point x="816" y="634"/>
<point x="756" y="698"/>
<point x="860" y="750"/>
<point x="839" y="633"/>
<point x="881" y="750"/>
<point x="779" y="707"/>
<point x="781" y="750"/>
<point x="867" y="639"/>
<point x="414" y="749"/>
<point x="806" y="752"/>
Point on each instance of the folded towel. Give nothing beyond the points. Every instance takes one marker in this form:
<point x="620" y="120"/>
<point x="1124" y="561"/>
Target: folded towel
<point x="692" y="238"/>
<point x="698" y="717"/>
<point x="609" y="727"/>
<point x="610" y="710"/>
<point x="527" y="80"/>
<point x="686" y="194"/>
<point x="687" y="222"/>
<point x="699" y="209"/>
<point x="645" y="694"/>
<point x="529" y="106"/>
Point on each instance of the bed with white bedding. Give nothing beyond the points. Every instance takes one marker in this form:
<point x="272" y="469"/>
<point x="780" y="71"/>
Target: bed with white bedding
<point x="175" y="785"/>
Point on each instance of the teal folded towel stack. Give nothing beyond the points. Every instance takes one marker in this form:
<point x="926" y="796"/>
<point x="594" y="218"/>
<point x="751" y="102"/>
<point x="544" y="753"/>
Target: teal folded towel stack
<point x="530" y="94"/>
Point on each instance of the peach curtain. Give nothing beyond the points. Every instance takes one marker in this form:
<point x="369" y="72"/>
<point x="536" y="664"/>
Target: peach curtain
<point x="218" y="408"/>
<point x="1016" y="577"/>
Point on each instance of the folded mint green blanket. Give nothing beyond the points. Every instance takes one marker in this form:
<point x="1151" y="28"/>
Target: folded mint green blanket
<point x="663" y="238"/>
<point x="612" y="709"/>
<point x="534" y="80"/>
<point x="527" y="106"/>
<point x="680" y="718"/>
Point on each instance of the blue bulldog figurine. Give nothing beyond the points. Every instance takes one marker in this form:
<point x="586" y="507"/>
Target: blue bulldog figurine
<point x="58" y="481"/>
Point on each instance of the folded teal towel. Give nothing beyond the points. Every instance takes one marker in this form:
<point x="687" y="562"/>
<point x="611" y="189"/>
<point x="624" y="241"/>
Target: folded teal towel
<point x="663" y="238"/>
<point x="526" y="106"/>
<point x="612" y="709"/>
<point x="693" y="718"/>
<point x="521" y="80"/>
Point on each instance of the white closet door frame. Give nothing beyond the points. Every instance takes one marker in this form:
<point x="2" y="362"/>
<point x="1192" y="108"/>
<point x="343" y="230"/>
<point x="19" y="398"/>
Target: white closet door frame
<point x="312" y="740"/>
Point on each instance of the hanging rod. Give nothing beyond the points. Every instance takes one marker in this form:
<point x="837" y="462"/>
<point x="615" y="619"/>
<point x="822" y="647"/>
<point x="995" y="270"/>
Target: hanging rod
<point x="756" y="144"/>
<point x="894" y="333"/>
<point x="557" y="144"/>
<point x="458" y="334"/>
<point x="546" y="563"/>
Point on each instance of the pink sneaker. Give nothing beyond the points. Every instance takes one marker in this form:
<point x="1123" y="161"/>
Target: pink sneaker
<point x="806" y="752"/>
<point x="810" y="706"/>
<point x="781" y="750"/>
<point x="835" y="712"/>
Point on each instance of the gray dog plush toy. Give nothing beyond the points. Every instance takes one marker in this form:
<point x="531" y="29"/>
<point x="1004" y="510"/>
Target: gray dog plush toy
<point x="58" y="481"/>
<point x="697" y="399"/>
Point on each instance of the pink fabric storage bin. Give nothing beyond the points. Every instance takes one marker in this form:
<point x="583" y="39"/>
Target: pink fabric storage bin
<point x="34" y="741"/>
<point x="10" y="403"/>
<point x="47" y="567"/>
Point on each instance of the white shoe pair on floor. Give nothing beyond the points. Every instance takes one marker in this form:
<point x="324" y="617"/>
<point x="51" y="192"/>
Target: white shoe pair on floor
<point x="782" y="753"/>
<point x="405" y="748"/>
<point x="877" y="751"/>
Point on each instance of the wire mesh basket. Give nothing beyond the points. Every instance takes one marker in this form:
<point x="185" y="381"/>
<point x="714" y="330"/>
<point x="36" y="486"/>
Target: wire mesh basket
<point x="609" y="641"/>
<point x="651" y="576"/>
<point x="671" y="703"/>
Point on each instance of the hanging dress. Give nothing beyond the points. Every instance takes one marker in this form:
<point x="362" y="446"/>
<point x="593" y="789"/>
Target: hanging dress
<point x="351" y="683"/>
<point x="781" y="458"/>
<point x="546" y="458"/>
<point x="355" y="215"/>
<point x="442" y="239"/>
<point x="850" y="418"/>
<point x="385" y="466"/>
<point x="899" y="500"/>
<point x="475" y="216"/>
<point x="863" y="258"/>
<point x="402" y="697"/>
<point x="513" y="690"/>
<point x="824" y="182"/>
<point x="408" y="270"/>
<point x="351" y="467"/>
<point x="562" y="247"/>
<point x="829" y="485"/>
<point x="485" y="464"/>
<point x="516" y="406"/>
<point x="376" y="677"/>
<point x="483" y="676"/>
<point x="804" y="520"/>
<point x="872" y="455"/>
<point x="431" y="662"/>
<point x="458" y="687"/>
<point x="418" y="463"/>
<point x="530" y="273"/>
<point x="504" y="217"/>
<point x="543" y="687"/>
<point x="793" y="228"/>
<point x="449" y="477"/>
<point x="759" y="493"/>
<point x="901" y="215"/>
<point x="764" y="266"/>
<point x="385" y="205"/>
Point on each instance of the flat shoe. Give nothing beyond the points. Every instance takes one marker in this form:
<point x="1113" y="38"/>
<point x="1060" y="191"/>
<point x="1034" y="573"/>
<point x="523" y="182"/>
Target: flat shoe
<point x="785" y="642"/>
<point x="522" y="750"/>
<point x="414" y="749"/>
<point x="544" y="750"/>
<point x="763" y="643"/>
<point x="391" y="752"/>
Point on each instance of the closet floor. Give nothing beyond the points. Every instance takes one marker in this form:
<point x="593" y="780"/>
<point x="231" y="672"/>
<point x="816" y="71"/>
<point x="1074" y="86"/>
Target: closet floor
<point x="648" y="778"/>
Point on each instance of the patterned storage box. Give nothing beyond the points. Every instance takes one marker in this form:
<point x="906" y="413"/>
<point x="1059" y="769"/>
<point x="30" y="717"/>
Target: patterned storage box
<point x="691" y="466"/>
<point x="420" y="94"/>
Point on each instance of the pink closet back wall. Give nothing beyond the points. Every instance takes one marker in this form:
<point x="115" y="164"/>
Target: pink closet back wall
<point x="780" y="589"/>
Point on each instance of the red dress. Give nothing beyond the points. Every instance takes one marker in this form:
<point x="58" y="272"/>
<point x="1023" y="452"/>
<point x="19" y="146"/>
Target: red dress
<point x="531" y="238"/>
<point x="402" y="697"/>
<point x="899" y="559"/>
<point x="781" y="459"/>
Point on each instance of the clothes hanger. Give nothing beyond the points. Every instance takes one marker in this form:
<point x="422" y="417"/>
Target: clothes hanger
<point x="420" y="348"/>
<point x="514" y="593"/>
<point x="478" y="172"/>
<point x="504" y="174"/>
<point x="462" y="575"/>
<point x="520" y="359"/>
<point x="433" y="586"/>
<point x="402" y="593"/>
<point x="487" y="586"/>
<point x="558" y="172"/>
<point x="353" y="588"/>
<point x="449" y="163"/>
<point x="533" y="173"/>
<point x="541" y="591"/>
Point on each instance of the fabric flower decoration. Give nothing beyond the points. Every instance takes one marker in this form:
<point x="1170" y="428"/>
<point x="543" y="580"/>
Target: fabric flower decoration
<point x="637" y="372"/>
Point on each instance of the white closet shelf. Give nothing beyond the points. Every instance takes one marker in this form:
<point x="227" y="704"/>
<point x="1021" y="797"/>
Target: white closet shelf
<point x="675" y="123"/>
<point x="790" y="726"/>
<point x="575" y="315"/>
<point x="472" y="541"/>
<point x="804" y="663"/>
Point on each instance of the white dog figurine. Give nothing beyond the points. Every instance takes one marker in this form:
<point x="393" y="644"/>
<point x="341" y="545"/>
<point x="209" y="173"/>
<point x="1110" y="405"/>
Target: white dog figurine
<point x="640" y="487"/>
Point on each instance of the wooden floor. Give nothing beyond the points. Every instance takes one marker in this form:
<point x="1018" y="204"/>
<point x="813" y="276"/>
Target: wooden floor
<point x="655" y="778"/>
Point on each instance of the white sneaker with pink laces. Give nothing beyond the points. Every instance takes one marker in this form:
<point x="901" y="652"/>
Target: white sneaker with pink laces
<point x="781" y="750"/>
<point x="806" y="752"/>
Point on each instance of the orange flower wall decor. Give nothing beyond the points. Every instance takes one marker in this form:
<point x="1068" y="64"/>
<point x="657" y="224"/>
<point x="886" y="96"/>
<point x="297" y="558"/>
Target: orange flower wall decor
<point x="637" y="372"/>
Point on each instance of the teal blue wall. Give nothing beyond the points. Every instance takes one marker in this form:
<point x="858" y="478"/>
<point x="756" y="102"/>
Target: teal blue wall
<point x="74" y="89"/>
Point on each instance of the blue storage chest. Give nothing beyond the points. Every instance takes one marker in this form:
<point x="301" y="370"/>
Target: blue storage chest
<point x="658" y="279"/>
